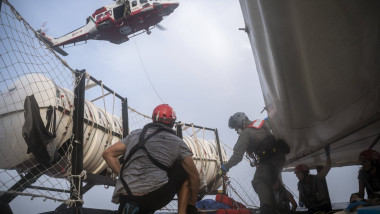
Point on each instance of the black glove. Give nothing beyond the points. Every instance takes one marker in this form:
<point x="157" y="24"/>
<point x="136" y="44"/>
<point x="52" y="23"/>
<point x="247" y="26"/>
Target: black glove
<point x="223" y="170"/>
<point x="191" y="209"/>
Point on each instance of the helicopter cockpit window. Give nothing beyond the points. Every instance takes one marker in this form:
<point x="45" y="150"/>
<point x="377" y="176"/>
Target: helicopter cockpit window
<point x="143" y="1"/>
<point x="99" y="16"/>
<point x="134" y="3"/>
<point x="108" y="13"/>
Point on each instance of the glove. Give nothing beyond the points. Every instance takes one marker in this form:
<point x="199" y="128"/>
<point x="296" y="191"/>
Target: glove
<point x="191" y="209"/>
<point x="301" y="204"/>
<point x="223" y="170"/>
<point x="327" y="150"/>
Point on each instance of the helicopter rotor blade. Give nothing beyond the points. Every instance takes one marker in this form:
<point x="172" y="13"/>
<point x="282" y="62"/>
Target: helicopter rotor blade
<point x="160" y="27"/>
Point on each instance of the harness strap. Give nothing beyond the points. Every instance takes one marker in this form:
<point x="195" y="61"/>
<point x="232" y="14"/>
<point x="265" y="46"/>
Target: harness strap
<point x="256" y="124"/>
<point x="141" y="145"/>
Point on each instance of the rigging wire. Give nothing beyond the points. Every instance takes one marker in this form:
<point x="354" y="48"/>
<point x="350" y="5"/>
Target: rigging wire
<point x="146" y="73"/>
<point x="291" y="192"/>
<point x="244" y="191"/>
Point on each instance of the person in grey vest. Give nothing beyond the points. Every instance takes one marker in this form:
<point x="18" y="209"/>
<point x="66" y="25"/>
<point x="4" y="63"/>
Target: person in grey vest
<point x="313" y="192"/>
<point x="257" y="140"/>
<point x="157" y="165"/>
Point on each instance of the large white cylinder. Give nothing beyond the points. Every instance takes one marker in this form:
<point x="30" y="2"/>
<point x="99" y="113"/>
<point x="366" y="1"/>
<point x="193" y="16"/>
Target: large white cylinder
<point x="97" y="130"/>
<point x="12" y="144"/>
<point x="207" y="160"/>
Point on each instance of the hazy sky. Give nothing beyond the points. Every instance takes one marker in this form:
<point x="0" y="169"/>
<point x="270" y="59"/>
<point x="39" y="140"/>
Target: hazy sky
<point x="202" y="65"/>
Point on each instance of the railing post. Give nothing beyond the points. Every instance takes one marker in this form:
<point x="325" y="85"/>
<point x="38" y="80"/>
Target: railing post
<point x="124" y="115"/>
<point x="77" y="153"/>
<point x="179" y="130"/>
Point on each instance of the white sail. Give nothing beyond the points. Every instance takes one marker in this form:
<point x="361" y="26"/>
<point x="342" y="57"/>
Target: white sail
<point x="318" y="63"/>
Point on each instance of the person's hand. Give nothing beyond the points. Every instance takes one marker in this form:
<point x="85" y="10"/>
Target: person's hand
<point x="223" y="170"/>
<point x="327" y="150"/>
<point x="191" y="209"/>
<point x="301" y="204"/>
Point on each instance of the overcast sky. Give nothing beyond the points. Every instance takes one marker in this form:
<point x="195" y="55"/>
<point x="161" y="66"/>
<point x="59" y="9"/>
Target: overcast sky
<point x="202" y="65"/>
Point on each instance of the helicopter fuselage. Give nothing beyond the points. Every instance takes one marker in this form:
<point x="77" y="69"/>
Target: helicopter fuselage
<point x="118" y="22"/>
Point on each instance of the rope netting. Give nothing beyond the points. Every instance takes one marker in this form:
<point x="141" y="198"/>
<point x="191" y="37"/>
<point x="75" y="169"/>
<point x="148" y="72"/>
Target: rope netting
<point x="29" y="67"/>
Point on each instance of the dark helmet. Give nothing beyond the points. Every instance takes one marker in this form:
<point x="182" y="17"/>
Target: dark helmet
<point x="369" y="154"/>
<point x="237" y="120"/>
<point x="165" y="114"/>
<point x="302" y="168"/>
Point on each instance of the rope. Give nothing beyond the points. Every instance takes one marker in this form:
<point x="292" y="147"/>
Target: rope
<point x="146" y="73"/>
<point x="75" y="192"/>
<point x="108" y="125"/>
<point x="110" y="136"/>
<point x="201" y="157"/>
<point x="104" y="101"/>
<point x="12" y="192"/>
<point x="134" y="110"/>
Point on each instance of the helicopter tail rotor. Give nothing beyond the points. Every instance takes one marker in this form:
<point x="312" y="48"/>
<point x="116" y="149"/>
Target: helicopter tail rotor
<point x="43" y="28"/>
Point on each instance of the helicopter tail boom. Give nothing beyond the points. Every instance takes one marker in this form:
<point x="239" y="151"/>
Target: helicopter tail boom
<point x="49" y="41"/>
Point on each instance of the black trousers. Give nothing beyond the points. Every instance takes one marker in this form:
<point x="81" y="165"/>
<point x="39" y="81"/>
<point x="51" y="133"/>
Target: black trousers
<point x="162" y="196"/>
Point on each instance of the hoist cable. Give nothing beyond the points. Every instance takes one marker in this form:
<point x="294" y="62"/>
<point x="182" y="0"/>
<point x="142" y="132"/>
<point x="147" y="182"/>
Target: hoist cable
<point x="146" y="73"/>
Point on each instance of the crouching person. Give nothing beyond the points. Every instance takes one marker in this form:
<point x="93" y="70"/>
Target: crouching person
<point x="157" y="165"/>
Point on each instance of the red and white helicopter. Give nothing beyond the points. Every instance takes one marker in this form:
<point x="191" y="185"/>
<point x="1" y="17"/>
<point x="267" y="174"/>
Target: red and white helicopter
<point x="116" y="22"/>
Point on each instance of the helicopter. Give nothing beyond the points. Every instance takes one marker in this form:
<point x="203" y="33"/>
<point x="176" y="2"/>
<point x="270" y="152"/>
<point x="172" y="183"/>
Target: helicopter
<point x="116" y="22"/>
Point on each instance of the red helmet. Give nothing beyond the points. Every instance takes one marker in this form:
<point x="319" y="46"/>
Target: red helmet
<point x="302" y="168"/>
<point x="369" y="154"/>
<point x="164" y="113"/>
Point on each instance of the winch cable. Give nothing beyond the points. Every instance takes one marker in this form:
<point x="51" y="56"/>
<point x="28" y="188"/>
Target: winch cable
<point x="146" y="73"/>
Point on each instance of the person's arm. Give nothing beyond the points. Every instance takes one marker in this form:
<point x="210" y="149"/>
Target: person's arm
<point x="112" y="154"/>
<point x="294" y="204"/>
<point x="239" y="150"/>
<point x="192" y="172"/>
<point x="361" y="189"/>
<point x="323" y="173"/>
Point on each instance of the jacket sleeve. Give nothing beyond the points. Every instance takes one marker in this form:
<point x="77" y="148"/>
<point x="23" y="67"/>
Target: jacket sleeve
<point x="239" y="149"/>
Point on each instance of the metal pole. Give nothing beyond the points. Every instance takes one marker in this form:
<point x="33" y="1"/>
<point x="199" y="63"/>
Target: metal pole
<point x="220" y="156"/>
<point x="77" y="154"/>
<point x="105" y="87"/>
<point x="199" y="127"/>
<point x="124" y="112"/>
